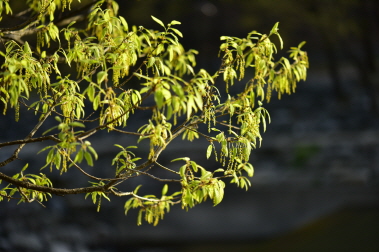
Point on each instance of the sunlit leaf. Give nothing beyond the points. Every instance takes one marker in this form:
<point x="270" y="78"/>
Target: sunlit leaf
<point x="158" y="21"/>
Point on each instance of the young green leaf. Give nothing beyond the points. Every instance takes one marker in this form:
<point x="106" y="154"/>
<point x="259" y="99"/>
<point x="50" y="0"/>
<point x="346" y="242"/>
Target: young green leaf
<point x="177" y="32"/>
<point x="101" y="76"/>
<point x="174" y="22"/>
<point x="158" y="21"/>
<point x="209" y="150"/>
<point x="164" y="190"/>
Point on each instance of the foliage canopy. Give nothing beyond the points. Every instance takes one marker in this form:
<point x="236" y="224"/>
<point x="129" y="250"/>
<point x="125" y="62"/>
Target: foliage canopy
<point x="88" y="71"/>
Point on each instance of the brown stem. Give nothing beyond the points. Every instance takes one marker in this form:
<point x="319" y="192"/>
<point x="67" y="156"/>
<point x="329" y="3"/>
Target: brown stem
<point x="28" y="137"/>
<point x="57" y="191"/>
<point x="31" y="140"/>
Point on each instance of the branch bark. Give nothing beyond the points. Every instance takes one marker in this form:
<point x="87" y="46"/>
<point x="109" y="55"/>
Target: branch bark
<point x="28" y="137"/>
<point x="31" y="140"/>
<point x="57" y="191"/>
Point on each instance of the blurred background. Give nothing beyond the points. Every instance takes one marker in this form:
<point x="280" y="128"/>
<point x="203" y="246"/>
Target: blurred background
<point x="316" y="182"/>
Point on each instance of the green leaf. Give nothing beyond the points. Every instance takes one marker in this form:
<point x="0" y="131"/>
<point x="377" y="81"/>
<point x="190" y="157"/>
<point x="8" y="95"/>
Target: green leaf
<point x="136" y="189"/>
<point x="25" y="167"/>
<point x="219" y="170"/>
<point x="174" y="22"/>
<point x="182" y="158"/>
<point x="177" y="32"/>
<point x="88" y="158"/>
<point x="79" y="156"/>
<point x="47" y="131"/>
<point x="158" y="21"/>
<point x="275" y="28"/>
<point x="139" y="218"/>
<point x="50" y="156"/>
<point x="170" y="53"/>
<point x="92" y="150"/>
<point x="209" y="150"/>
<point x="159" y="49"/>
<point x="182" y="171"/>
<point x="76" y="124"/>
<point x="151" y="62"/>
<point x="101" y="76"/>
<point x="164" y="190"/>
<point x="124" y="23"/>
<point x="136" y="98"/>
<point x="190" y="105"/>
<point x="159" y="98"/>
<point x="27" y="48"/>
<point x="57" y="160"/>
<point x="194" y="166"/>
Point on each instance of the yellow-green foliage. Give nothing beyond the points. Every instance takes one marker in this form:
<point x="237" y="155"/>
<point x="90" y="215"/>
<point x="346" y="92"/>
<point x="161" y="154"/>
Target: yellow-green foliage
<point x="71" y="65"/>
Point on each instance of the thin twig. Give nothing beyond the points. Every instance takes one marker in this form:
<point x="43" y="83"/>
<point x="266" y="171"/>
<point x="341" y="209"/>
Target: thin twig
<point x="127" y="132"/>
<point x="8" y="197"/>
<point x="120" y="194"/>
<point x="29" y="200"/>
<point x="205" y="136"/>
<point x="159" y="179"/>
<point x="228" y="125"/>
<point x="24" y="196"/>
<point x="28" y="137"/>
<point x="57" y="191"/>
<point x="89" y="175"/>
<point x="31" y="140"/>
<point x="27" y="23"/>
<point x="168" y="169"/>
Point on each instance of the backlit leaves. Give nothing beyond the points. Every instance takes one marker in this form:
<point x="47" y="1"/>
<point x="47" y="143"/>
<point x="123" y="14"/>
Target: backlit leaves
<point x="196" y="189"/>
<point x="122" y="74"/>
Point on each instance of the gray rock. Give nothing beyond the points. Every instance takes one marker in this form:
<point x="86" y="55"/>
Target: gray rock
<point x="60" y="247"/>
<point x="25" y="242"/>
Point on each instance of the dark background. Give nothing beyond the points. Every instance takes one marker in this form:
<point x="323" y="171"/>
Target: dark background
<point x="316" y="176"/>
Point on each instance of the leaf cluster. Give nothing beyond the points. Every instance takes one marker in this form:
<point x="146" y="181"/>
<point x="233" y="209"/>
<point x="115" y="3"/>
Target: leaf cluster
<point x="82" y="71"/>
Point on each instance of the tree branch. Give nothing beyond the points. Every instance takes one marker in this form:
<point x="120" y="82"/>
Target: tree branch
<point x="168" y="169"/>
<point x="159" y="179"/>
<point x="89" y="175"/>
<point x="127" y="132"/>
<point x="74" y="15"/>
<point x="120" y="194"/>
<point x="28" y="137"/>
<point x="57" y="191"/>
<point x="31" y="140"/>
<point x="20" y="26"/>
